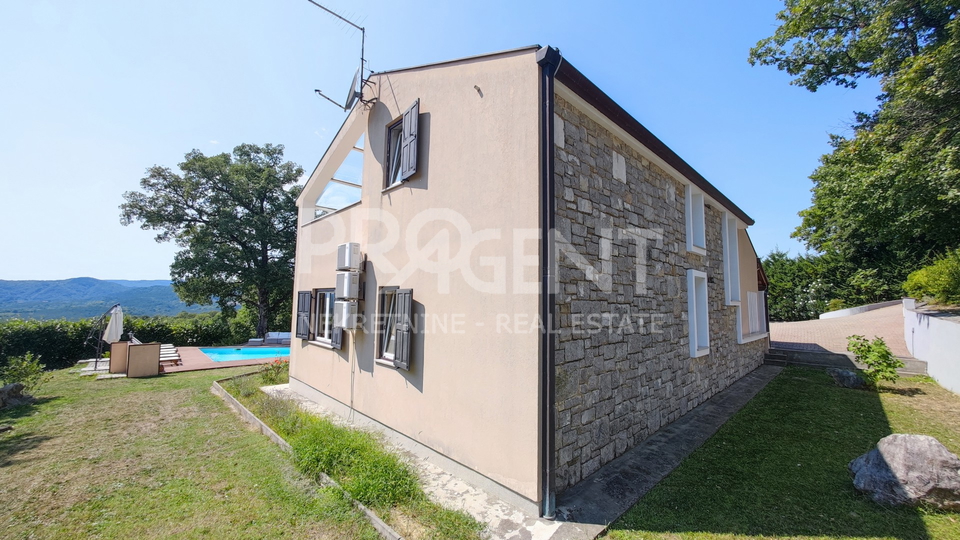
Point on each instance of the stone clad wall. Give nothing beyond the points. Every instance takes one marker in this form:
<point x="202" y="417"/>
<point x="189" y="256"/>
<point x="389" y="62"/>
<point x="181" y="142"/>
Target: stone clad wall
<point x="621" y="377"/>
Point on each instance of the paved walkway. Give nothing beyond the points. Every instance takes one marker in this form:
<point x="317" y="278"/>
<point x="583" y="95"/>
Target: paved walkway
<point x="830" y="335"/>
<point x="585" y="510"/>
<point x="605" y="495"/>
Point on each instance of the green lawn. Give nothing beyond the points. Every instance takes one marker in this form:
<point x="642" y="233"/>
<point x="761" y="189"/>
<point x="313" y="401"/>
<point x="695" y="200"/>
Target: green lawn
<point x="778" y="468"/>
<point x="154" y="458"/>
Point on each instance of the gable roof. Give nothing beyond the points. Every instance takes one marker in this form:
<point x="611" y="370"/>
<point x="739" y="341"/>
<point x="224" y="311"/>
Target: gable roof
<point x="576" y="81"/>
<point x="463" y="59"/>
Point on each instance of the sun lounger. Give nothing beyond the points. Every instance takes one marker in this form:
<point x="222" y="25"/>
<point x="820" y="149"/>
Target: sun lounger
<point x="168" y="353"/>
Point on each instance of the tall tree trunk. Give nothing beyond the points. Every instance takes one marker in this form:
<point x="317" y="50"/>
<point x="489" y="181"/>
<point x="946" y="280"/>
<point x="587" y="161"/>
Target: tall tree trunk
<point x="263" y="313"/>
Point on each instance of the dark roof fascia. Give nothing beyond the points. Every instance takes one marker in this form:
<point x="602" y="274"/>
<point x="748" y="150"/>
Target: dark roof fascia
<point x="456" y="60"/>
<point x="576" y="81"/>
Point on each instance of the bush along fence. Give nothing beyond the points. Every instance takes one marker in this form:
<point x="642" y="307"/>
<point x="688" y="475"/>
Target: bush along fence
<point x="60" y="343"/>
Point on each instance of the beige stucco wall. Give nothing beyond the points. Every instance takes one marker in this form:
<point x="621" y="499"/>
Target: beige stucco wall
<point x="471" y="393"/>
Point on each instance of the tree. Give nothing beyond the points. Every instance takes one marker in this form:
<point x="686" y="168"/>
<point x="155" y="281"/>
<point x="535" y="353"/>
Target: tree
<point x="797" y="290"/>
<point x="838" y="41"/>
<point x="235" y="218"/>
<point x="886" y="200"/>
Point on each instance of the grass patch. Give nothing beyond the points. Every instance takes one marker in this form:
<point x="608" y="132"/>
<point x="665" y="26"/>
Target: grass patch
<point x="154" y="458"/>
<point x="778" y="469"/>
<point x="358" y="461"/>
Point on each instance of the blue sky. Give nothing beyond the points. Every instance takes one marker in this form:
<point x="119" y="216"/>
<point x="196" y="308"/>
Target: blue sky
<point x="95" y="92"/>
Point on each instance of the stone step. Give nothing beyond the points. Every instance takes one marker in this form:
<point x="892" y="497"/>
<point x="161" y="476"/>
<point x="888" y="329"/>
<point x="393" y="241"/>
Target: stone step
<point x="826" y="359"/>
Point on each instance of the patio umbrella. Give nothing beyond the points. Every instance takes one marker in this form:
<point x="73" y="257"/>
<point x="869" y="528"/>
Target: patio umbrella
<point x="115" y="326"/>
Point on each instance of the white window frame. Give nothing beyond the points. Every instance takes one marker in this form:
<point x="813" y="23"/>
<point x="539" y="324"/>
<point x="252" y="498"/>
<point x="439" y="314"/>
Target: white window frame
<point x="756" y="311"/>
<point x="698" y="317"/>
<point x="386" y="332"/>
<point x="731" y="260"/>
<point x="392" y="163"/>
<point x="695" y="215"/>
<point x="322" y="313"/>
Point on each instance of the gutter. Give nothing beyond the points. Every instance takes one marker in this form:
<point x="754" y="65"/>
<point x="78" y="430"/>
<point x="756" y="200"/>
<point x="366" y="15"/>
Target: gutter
<point x="549" y="60"/>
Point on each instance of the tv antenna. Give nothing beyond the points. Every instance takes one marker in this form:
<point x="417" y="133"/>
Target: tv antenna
<point x="355" y="91"/>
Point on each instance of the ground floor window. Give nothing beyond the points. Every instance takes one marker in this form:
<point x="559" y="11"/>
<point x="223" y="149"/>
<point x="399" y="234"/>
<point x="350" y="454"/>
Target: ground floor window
<point x="321" y="321"/>
<point x="395" y="326"/>
<point x="756" y="312"/>
<point x="697" y="316"/>
<point x="315" y="317"/>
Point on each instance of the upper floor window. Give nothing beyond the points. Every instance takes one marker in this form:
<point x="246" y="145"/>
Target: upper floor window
<point x="696" y="221"/>
<point x="402" y="135"/>
<point x="731" y="260"/>
<point x="343" y="189"/>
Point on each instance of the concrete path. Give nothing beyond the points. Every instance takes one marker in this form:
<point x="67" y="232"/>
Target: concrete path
<point x="605" y="495"/>
<point x="830" y="335"/>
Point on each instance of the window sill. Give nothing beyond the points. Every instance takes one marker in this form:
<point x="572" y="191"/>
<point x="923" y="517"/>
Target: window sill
<point x="702" y="351"/>
<point x="692" y="249"/>
<point x="322" y="344"/>
<point x="733" y="302"/>
<point x="393" y="187"/>
<point x="385" y="363"/>
<point x="752" y="337"/>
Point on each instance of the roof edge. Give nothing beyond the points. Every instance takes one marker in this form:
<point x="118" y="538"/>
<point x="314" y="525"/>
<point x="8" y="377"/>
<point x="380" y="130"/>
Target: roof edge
<point x="456" y="60"/>
<point x="576" y="81"/>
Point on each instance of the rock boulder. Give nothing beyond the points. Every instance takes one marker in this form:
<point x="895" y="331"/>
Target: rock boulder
<point x="847" y="378"/>
<point x="909" y="470"/>
<point x="12" y="395"/>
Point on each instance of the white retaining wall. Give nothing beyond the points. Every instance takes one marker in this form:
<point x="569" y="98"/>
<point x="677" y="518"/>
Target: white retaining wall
<point x="856" y="310"/>
<point x="935" y="341"/>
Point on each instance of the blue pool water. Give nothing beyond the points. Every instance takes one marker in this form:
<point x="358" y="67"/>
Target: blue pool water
<point x="226" y="354"/>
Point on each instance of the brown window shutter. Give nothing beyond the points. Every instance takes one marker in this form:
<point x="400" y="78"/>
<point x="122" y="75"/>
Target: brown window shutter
<point x="401" y="359"/>
<point x="408" y="149"/>
<point x="303" y="314"/>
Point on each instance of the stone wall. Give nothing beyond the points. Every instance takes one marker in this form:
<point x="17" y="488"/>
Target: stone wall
<point x="623" y="358"/>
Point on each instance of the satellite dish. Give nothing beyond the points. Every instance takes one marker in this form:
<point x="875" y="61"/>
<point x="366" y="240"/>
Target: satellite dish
<point x="354" y="93"/>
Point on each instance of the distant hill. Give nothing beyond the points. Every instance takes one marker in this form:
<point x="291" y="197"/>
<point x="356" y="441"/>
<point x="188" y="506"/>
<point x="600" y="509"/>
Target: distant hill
<point x="140" y="283"/>
<point x="80" y="298"/>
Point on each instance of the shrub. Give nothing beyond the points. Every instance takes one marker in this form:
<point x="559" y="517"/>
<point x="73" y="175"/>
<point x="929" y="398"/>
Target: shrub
<point x="369" y="473"/>
<point x="939" y="281"/>
<point x="836" y="304"/>
<point x="881" y="364"/>
<point x="25" y="369"/>
<point x="276" y="372"/>
<point x="58" y="342"/>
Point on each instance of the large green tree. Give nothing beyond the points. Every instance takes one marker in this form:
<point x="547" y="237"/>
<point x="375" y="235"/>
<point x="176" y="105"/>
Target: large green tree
<point x="887" y="199"/>
<point x="235" y="218"/>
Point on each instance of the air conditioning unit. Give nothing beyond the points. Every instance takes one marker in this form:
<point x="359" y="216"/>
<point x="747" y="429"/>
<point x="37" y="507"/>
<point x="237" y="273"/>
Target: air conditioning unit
<point x="348" y="257"/>
<point x="348" y="285"/>
<point x="345" y="315"/>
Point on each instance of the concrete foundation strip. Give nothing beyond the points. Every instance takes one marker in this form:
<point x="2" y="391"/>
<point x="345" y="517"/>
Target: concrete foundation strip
<point x="385" y="531"/>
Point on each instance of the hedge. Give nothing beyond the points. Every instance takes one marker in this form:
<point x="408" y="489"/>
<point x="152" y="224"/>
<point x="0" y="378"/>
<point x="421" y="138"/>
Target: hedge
<point x="60" y="343"/>
<point x="939" y="281"/>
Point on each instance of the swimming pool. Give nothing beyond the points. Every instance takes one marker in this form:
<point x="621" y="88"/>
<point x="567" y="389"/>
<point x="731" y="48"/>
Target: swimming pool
<point x="227" y="354"/>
